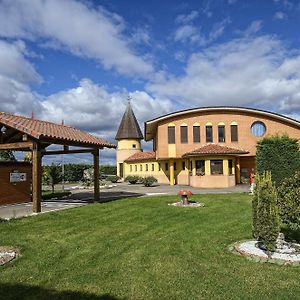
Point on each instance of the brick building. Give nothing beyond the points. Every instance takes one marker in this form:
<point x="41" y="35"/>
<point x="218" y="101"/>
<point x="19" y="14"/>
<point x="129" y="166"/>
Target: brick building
<point x="209" y="147"/>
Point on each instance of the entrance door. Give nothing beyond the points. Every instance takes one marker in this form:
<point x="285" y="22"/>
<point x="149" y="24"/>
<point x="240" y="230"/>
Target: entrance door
<point x="121" y="168"/>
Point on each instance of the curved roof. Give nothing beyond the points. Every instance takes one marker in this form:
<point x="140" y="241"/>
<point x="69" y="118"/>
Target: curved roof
<point x="129" y="127"/>
<point x="151" y="125"/>
<point x="40" y="130"/>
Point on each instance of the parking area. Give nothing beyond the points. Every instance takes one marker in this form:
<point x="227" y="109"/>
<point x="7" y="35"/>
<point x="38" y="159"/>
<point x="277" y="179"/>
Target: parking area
<point x="120" y="191"/>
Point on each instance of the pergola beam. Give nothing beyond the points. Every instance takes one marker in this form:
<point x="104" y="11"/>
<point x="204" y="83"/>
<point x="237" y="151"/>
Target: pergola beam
<point x="17" y="146"/>
<point x="36" y="178"/>
<point x="58" y="152"/>
<point x="96" y="175"/>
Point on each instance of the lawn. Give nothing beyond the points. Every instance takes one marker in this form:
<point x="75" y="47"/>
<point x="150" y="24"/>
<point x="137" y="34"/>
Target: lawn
<point x="140" y="248"/>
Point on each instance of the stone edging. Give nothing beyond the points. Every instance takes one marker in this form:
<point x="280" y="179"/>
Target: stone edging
<point x="8" y="254"/>
<point x="234" y="248"/>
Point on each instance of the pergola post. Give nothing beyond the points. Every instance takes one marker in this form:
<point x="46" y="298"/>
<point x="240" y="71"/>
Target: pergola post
<point x="96" y="175"/>
<point x="36" y="178"/>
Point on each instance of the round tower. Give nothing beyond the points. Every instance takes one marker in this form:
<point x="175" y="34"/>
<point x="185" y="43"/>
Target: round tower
<point x="129" y="138"/>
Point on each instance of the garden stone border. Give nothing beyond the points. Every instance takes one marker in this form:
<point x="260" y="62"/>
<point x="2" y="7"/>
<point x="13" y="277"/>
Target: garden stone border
<point x="190" y="205"/>
<point x="7" y="254"/>
<point x="262" y="257"/>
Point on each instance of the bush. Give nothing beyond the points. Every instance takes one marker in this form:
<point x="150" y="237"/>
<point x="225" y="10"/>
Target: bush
<point x="265" y="213"/>
<point x="133" y="179"/>
<point x="278" y="154"/>
<point x="113" y="178"/>
<point x="289" y="201"/>
<point x="149" y="180"/>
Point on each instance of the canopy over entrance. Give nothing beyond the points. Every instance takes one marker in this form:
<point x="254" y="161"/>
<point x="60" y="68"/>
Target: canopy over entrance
<point x="25" y="134"/>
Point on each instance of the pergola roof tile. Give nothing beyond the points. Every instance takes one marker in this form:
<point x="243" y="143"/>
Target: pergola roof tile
<point x="42" y="129"/>
<point x="214" y="149"/>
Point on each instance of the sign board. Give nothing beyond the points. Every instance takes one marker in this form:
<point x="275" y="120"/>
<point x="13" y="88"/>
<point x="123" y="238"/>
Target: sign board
<point x="17" y="177"/>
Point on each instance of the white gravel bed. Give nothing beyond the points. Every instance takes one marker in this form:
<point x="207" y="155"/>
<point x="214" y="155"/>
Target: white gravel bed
<point x="250" y="248"/>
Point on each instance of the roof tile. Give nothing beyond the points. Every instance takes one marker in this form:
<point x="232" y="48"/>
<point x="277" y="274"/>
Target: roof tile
<point x="141" y="156"/>
<point x="43" y="129"/>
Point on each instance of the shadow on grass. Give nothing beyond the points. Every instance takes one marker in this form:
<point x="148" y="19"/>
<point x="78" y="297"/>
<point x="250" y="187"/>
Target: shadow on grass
<point x="12" y="291"/>
<point x="291" y="235"/>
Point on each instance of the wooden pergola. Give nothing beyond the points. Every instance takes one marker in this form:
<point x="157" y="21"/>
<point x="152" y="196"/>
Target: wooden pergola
<point x="24" y="134"/>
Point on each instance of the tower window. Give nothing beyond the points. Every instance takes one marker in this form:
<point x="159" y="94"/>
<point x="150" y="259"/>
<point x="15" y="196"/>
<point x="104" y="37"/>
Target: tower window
<point x="221" y="133"/>
<point x="146" y="167"/>
<point x="183" y="134"/>
<point x="133" y="145"/>
<point x="141" y="167"/>
<point x="234" y="133"/>
<point x="171" y="134"/>
<point x="209" y="134"/>
<point x="196" y="134"/>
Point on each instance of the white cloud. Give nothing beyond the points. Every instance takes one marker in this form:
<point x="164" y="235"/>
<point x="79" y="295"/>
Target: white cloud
<point x="186" y="33"/>
<point x="253" y="28"/>
<point x="186" y="18"/>
<point x="249" y="71"/>
<point x="77" y="27"/>
<point x="279" y="15"/>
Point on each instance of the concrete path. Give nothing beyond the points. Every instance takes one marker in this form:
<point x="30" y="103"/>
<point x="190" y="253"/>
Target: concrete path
<point x="120" y="191"/>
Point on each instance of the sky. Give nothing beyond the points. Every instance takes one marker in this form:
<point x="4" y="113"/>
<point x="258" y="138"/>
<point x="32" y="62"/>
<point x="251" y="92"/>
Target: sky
<point x="78" y="61"/>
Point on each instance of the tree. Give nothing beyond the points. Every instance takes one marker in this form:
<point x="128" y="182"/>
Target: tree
<point x="278" y="154"/>
<point x="266" y="224"/>
<point x="54" y="172"/>
<point x="7" y="155"/>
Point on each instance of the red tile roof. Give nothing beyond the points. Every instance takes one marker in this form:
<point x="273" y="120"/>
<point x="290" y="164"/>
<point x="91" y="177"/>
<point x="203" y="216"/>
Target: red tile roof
<point x="214" y="149"/>
<point x="42" y="129"/>
<point x="141" y="156"/>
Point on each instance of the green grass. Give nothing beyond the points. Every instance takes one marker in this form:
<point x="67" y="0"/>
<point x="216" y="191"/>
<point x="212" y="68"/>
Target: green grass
<point x="141" y="248"/>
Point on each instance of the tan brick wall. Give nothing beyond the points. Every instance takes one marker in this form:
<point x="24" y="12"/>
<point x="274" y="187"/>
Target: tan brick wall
<point x="246" y="140"/>
<point x="18" y="192"/>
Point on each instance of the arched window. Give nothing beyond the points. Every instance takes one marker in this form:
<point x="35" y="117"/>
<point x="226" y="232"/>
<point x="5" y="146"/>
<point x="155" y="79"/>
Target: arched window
<point x="183" y="133"/>
<point x="196" y="133"/>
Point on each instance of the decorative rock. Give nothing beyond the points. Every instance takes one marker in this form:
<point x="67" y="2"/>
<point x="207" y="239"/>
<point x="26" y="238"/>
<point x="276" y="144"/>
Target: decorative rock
<point x="190" y="204"/>
<point x="7" y="254"/>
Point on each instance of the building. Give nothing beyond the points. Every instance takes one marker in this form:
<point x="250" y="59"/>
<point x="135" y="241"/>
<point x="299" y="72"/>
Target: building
<point x="209" y="147"/>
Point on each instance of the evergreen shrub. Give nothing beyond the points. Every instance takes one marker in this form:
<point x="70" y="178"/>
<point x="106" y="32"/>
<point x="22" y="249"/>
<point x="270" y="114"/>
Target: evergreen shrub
<point x="133" y="179"/>
<point x="265" y="213"/>
<point x="289" y="201"/>
<point x="278" y="154"/>
<point x="149" y="181"/>
<point x="113" y="178"/>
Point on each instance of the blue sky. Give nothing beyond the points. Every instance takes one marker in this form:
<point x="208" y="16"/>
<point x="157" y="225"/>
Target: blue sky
<point x="79" y="60"/>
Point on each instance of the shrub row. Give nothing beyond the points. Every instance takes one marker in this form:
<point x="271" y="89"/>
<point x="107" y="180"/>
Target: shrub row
<point x="147" y="181"/>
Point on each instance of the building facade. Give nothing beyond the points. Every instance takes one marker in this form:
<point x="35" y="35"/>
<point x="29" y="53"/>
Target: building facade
<point x="211" y="147"/>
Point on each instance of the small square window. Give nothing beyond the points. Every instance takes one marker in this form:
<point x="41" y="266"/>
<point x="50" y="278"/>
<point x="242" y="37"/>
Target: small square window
<point x="133" y="145"/>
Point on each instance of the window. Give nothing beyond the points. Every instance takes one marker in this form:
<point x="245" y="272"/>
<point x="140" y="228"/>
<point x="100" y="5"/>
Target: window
<point x="234" y="133"/>
<point x="136" y="168"/>
<point x="184" y="134"/>
<point x="146" y="167"/>
<point x="152" y="167"/>
<point x="159" y="167"/>
<point x="130" y="168"/>
<point x="196" y="134"/>
<point x="175" y="166"/>
<point x="133" y="145"/>
<point x="141" y="167"/>
<point x="258" y="128"/>
<point x="200" y="167"/>
<point x="209" y="136"/>
<point x="230" y="165"/>
<point x="221" y="133"/>
<point x="191" y="166"/>
<point x="183" y="165"/>
<point x="171" y="134"/>
<point x="167" y="167"/>
<point x="216" y="167"/>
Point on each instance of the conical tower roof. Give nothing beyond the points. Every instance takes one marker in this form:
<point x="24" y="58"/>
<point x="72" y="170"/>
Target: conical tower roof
<point x="129" y="127"/>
